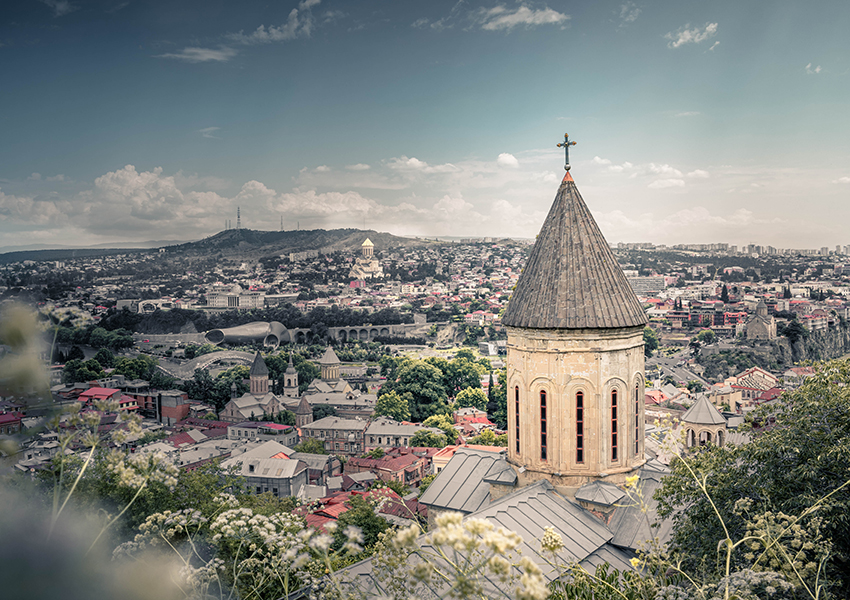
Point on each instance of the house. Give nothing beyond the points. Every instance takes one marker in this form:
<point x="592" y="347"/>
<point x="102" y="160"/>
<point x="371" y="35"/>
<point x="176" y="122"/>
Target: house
<point x="402" y="466"/>
<point x="338" y="435"/>
<point x="384" y="432"/>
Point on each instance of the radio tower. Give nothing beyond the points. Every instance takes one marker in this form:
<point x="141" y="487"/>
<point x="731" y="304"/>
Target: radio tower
<point x="281" y="222"/>
<point x="238" y="219"/>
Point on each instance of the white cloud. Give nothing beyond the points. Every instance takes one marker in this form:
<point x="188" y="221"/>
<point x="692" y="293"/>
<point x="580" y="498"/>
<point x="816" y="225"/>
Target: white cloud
<point x="34" y="177"/>
<point x="691" y="36"/>
<point x="299" y="24"/>
<point x="688" y="113"/>
<point x="713" y="46"/>
<point x="600" y="161"/>
<point x="60" y="7"/>
<point x="502" y="18"/>
<point x="323" y="169"/>
<point x="629" y="12"/>
<point x="59" y="177"/>
<point x="842" y="180"/>
<point x="28" y="208"/>
<point x="358" y="167"/>
<point x="507" y="160"/>
<point x="414" y="164"/>
<point x="664" y="170"/>
<point x="812" y="71"/>
<point x="699" y="174"/>
<point x="420" y="23"/>
<point x="610" y="166"/>
<point x="208" y="132"/>
<point x="197" y="55"/>
<point x="660" y="184"/>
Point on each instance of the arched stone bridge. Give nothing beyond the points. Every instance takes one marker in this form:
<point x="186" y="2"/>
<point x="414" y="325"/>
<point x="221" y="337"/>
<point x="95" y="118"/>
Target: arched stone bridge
<point x="361" y="332"/>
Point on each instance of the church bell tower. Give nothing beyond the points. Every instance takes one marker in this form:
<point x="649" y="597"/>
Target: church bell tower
<point x="575" y="364"/>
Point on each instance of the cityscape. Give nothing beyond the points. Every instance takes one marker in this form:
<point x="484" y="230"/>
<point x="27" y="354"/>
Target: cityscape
<point x="284" y="316"/>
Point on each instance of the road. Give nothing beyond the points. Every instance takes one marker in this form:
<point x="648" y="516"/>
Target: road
<point x="670" y="366"/>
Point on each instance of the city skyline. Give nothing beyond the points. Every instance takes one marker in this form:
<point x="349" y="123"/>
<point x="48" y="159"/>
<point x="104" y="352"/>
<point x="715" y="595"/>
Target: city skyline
<point x="126" y="121"/>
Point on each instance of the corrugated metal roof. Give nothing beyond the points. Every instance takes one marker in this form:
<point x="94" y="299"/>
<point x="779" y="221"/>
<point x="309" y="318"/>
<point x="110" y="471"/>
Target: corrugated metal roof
<point x="571" y="279"/>
<point x="632" y="523"/>
<point x="528" y="512"/>
<point x="461" y="485"/>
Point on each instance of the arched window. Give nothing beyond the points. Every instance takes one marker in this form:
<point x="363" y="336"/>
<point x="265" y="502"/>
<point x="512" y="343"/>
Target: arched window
<point x="637" y="418"/>
<point x="580" y="427"/>
<point x="542" y="425"/>
<point x="516" y="416"/>
<point x="613" y="425"/>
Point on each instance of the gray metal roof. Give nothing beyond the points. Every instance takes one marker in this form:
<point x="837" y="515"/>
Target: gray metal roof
<point x="571" y="279"/>
<point x="461" y="485"/>
<point x="598" y="492"/>
<point x="632" y="523"/>
<point x="527" y="511"/>
<point x="703" y="412"/>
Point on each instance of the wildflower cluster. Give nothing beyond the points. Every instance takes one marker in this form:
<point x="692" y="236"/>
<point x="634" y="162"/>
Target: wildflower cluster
<point x="459" y="559"/>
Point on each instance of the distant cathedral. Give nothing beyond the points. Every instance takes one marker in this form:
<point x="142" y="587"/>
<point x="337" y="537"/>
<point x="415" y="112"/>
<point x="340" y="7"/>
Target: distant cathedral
<point x="367" y="267"/>
<point x="575" y="363"/>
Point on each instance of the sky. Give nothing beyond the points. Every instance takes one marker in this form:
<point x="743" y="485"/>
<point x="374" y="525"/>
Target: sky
<point x="695" y="122"/>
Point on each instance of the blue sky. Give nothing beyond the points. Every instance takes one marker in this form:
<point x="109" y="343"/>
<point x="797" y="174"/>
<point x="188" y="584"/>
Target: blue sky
<point x="695" y="121"/>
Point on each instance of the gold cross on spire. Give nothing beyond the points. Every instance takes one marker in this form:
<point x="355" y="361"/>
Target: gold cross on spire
<point x="566" y="146"/>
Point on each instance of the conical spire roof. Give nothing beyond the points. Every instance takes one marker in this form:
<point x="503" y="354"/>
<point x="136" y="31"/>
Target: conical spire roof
<point x="303" y="407"/>
<point x="572" y="280"/>
<point x="259" y="368"/>
<point x="290" y="368"/>
<point x="329" y="357"/>
<point x="703" y="412"/>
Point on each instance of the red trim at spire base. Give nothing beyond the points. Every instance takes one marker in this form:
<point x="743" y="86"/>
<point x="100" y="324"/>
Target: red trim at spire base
<point x="567" y="177"/>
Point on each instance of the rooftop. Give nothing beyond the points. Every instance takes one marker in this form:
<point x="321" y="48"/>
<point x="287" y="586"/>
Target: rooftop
<point x="571" y="279"/>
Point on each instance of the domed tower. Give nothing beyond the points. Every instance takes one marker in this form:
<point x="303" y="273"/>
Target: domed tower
<point x="290" y="380"/>
<point x="259" y="376"/>
<point x="575" y="362"/>
<point x="329" y="365"/>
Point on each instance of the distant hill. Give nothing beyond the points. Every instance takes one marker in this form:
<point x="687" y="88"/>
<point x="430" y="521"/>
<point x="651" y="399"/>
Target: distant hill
<point x="247" y="244"/>
<point x="252" y="244"/>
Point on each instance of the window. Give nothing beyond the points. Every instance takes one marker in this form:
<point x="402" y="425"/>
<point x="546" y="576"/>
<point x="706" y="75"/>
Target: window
<point x="516" y="419"/>
<point x="637" y="418"/>
<point x="542" y="425"/>
<point x="580" y="427"/>
<point x="613" y="425"/>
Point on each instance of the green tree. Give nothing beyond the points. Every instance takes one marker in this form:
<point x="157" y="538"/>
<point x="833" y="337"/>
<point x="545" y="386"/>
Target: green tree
<point x="724" y="294"/>
<point x="488" y="438"/>
<point x="706" y="336"/>
<point x="394" y="406"/>
<point x="650" y="341"/>
<point x="311" y="446"/>
<point x="77" y="371"/>
<point x="794" y="331"/>
<point x="428" y="439"/>
<point x="375" y="453"/>
<point x="695" y="387"/>
<point x="424" y="384"/>
<point x="445" y="424"/>
<point x="360" y="514"/>
<point x="320" y="411"/>
<point x="474" y="397"/>
<point x="802" y="458"/>
<point x="105" y="357"/>
<point x="500" y="416"/>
